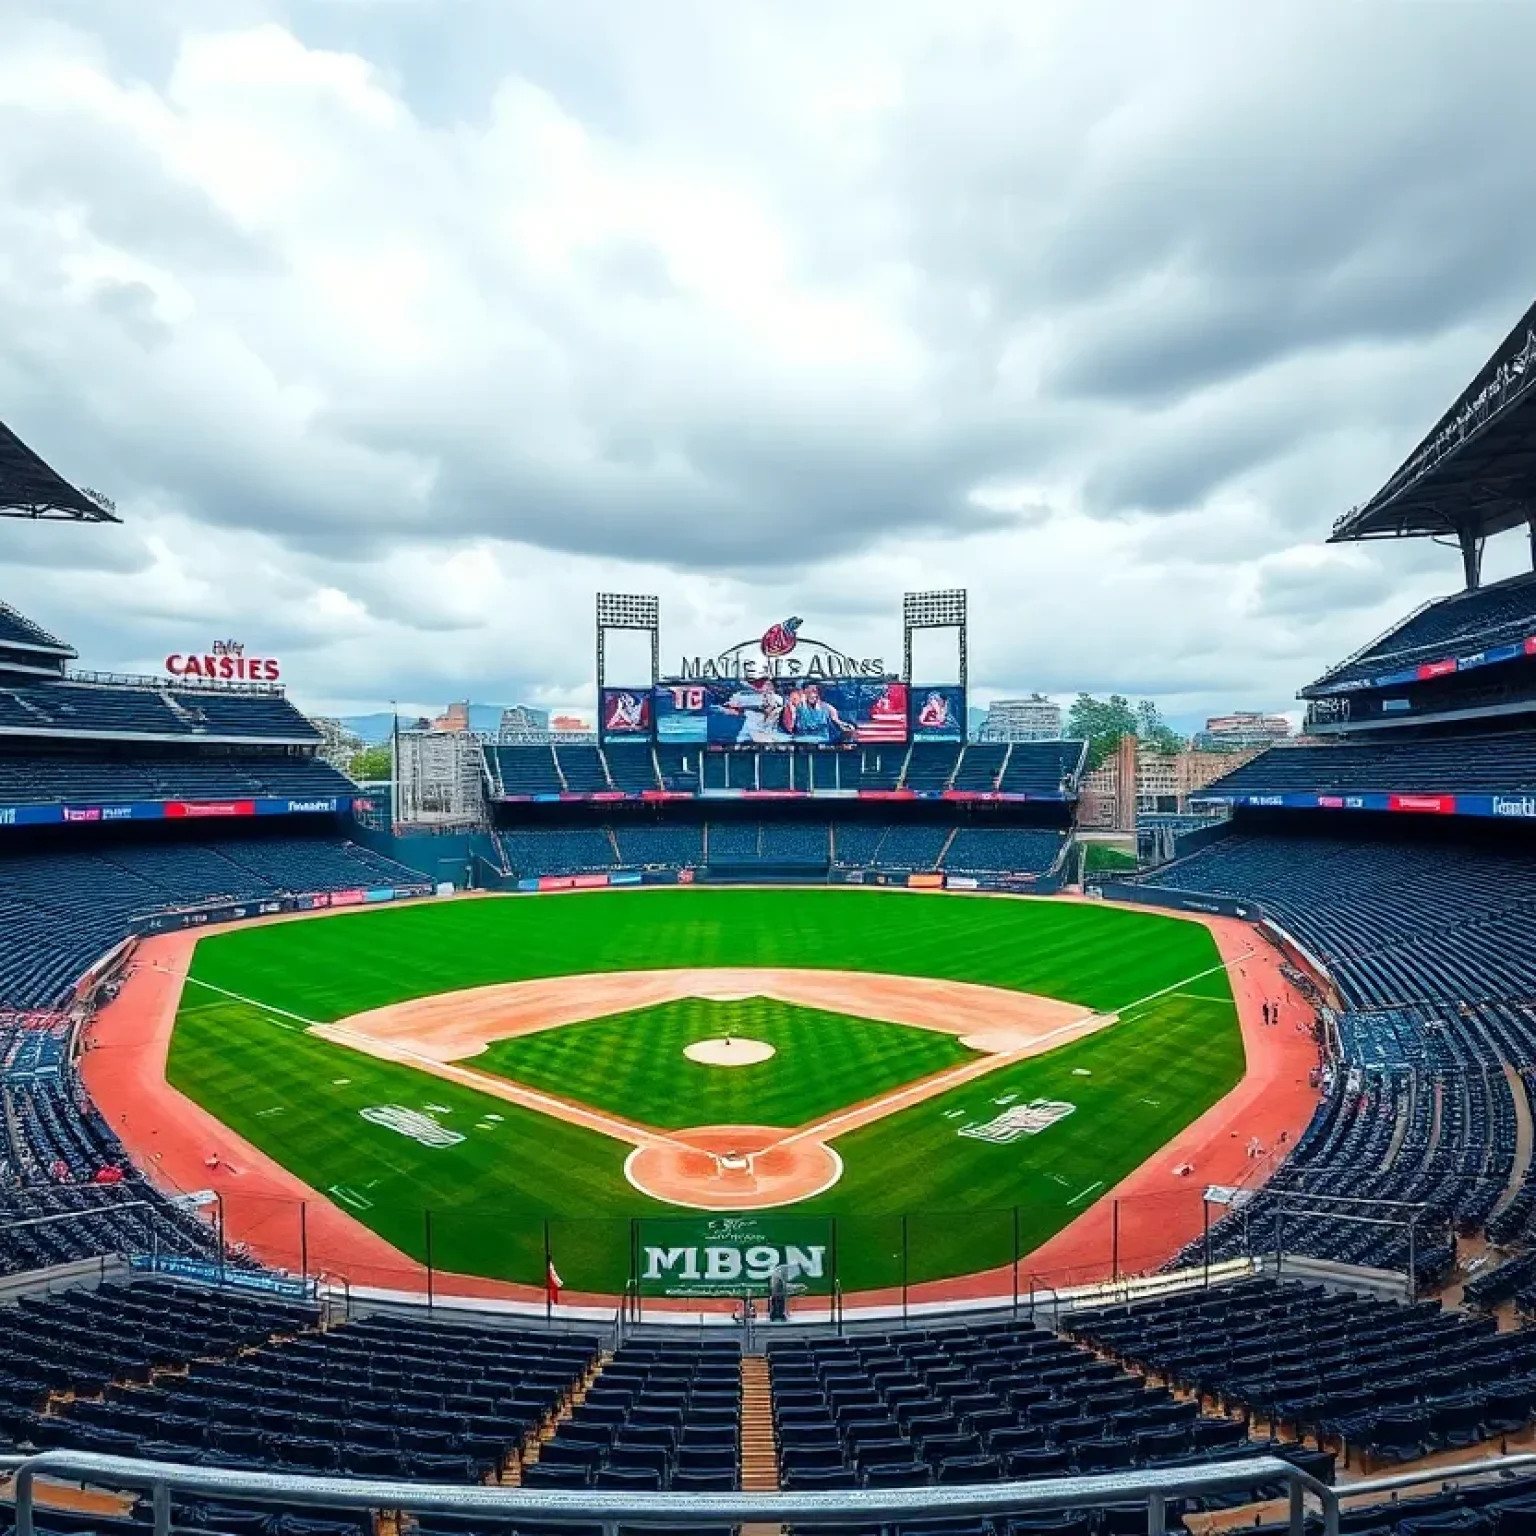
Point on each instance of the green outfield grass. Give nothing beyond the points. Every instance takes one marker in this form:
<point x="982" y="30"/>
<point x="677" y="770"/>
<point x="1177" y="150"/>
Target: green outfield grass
<point x="248" y="1061"/>
<point x="632" y="1064"/>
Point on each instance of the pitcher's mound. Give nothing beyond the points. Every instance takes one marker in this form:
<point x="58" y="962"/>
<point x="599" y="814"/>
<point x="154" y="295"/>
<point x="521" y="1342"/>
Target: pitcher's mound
<point x="732" y="1052"/>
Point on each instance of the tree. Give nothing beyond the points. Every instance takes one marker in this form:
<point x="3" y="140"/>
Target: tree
<point x="1102" y="722"/>
<point x="371" y="763"/>
<point x="1154" y="731"/>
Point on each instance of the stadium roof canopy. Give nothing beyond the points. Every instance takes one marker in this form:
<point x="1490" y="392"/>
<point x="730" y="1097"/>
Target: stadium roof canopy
<point x="29" y="488"/>
<point x="1474" y="475"/>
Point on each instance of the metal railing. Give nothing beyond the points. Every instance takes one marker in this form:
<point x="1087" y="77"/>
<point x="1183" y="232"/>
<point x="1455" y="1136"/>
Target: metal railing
<point x="616" y="1511"/>
<point x="174" y="684"/>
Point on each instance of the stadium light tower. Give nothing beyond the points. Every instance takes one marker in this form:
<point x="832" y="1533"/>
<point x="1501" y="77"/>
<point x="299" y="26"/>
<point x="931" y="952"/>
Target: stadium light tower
<point x="627" y="610"/>
<point x="944" y="609"/>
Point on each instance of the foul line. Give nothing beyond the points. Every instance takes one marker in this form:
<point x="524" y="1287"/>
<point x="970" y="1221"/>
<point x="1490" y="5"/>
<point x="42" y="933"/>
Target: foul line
<point x="250" y="1002"/>
<point x="1097" y="1184"/>
<point x="1210" y="970"/>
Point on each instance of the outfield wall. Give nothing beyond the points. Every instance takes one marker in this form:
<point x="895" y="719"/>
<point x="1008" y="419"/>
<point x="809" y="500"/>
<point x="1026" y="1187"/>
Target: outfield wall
<point x="242" y="911"/>
<point x="771" y="874"/>
<point x="1180" y="901"/>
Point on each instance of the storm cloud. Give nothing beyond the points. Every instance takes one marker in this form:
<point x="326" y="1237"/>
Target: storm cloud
<point x="396" y="330"/>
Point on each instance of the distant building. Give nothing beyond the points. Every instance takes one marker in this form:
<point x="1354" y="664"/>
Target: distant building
<point x="1033" y="719"/>
<point x="1232" y="733"/>
<point x="570" y="727"/>
<point x="520" y="723"/>
<point x="338" y="745"/>
<point x="454" y="718"/>
<point x="1164" y="782"/>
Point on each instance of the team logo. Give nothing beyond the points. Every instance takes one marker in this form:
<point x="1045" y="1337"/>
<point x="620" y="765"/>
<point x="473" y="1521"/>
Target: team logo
<point x="781" y="639"/>
<point x="1020" y="1120"/>
<point x="411" y="1123"/>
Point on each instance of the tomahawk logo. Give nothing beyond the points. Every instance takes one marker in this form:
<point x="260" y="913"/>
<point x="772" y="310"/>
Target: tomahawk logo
<point x="412" y="1123"/>
<point x="1020" y="1120"/>
<point x="781" y="639"/>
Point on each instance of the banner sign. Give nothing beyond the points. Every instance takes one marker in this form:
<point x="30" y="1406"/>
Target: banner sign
<point x="1442" y="667"/>
<point x="168" y="810"/>
<point x="234" y="912"/>
<point x="624" y="714"/>
<point x="652" y="796"/>
<point x="1515" y="807"/>
<point x="263" y="1281"/>
<point x="707" y="1256"/>
<point x="781" y="651"/>
<point x="938" y="714"/>
<point x="781" y="712"/>
<point x="224" y="661"/>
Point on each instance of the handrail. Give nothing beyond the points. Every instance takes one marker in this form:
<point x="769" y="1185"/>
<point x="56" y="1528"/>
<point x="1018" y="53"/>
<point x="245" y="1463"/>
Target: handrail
<point x="677" y="1511"/>
<point x="1416" y="1479"/>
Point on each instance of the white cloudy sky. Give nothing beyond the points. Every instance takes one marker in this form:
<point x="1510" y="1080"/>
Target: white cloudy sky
<point x="399" y="327"/>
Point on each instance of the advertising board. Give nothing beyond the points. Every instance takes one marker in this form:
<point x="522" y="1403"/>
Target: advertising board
<point x="624" y="714"/>
<point x="706" y="1256"/>
<point x="938" y="714"/>
<point x="782" y="712"/>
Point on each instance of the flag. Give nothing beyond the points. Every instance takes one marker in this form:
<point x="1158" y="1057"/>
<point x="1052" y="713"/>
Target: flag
<point x="552" y="1280"/>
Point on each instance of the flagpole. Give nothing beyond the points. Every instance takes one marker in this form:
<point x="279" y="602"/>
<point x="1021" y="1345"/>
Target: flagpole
<point x="549" y="1267"/>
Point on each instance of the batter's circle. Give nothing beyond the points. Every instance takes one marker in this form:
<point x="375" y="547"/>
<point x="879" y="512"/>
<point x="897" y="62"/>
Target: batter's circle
<point x="733" y="1168"/>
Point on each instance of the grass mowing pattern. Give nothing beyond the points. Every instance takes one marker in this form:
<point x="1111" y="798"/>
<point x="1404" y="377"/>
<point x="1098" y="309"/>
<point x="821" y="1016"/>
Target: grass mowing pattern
<point x="298" y="1098"/>
<point x="632" y="1064"/>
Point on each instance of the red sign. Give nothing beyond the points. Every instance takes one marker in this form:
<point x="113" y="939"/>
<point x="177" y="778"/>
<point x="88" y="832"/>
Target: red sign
<point x="225" y="661"/>
<point x="1436" y="805"/>
<point x="175" y="808"/>
<point x="1437" y="668"/>
<point x="347" y="898"/>
<point x="781" y="639"/>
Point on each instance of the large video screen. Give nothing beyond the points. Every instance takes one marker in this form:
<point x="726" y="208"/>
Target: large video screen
<point x="624" y="714"/>
<point x="782" y="711"/>
<point x="938" y="714"/>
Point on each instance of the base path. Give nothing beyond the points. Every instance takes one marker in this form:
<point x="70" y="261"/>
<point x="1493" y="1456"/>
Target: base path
<point x="713" y="1168"/>
<point x="453" y="1026"/>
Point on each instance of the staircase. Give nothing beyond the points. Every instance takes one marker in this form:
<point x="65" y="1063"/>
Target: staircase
<point x="759" y="1455"/>
<point x="938" y="863"/>
<point x="512" y="1471"/>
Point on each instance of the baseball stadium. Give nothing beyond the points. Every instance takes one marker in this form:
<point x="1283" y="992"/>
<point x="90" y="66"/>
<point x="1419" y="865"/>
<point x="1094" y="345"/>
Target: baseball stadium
<point x="762" y="1113"/>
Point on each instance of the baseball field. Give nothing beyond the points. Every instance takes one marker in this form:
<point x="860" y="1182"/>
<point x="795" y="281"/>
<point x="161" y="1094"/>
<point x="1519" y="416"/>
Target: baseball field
<point x="566" y="1064"/>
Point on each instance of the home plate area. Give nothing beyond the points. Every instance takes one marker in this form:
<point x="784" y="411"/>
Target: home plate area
<point x="725" y="1167"/>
